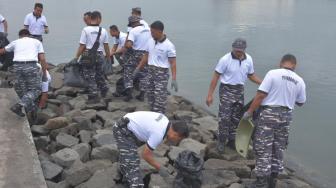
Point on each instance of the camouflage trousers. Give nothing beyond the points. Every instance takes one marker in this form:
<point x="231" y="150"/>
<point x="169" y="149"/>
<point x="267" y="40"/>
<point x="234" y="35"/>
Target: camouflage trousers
<point x="157" y="88"/>
<point x="119" y="59"/>
<point x="93" y="74"/>
<point x="133" y="58"/>
<point x="128" y="155"/>
<point x="271" y="139"/>
<point x="230" y="110"/>
<point x="27" y="84"/>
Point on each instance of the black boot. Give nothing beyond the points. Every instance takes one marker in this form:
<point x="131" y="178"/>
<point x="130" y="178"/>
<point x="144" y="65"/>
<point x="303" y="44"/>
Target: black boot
<point x="273" y="179"/>
<point x="231" y="144"/>
<point x="93" y="99"/>
<point x="141" y="96"/>
<point x="129" y="95"/>
<point x="17" y="109"/>
<point x="261" y="182"/>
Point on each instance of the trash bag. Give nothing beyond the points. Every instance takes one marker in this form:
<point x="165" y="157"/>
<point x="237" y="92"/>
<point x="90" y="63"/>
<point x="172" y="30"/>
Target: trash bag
<point x="7" y="58"/>
<point x="73" y="75"/>
<point x="120" y="86"/>
<point x="107" y="68"/>
<point x="189" y="167"/>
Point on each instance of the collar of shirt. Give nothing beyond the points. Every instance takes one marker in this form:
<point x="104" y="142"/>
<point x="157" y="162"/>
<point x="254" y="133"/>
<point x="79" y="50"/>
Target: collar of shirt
<point x="235" y="57"/>
<point x="288" y="68"/>
<point x="161" y="41"/>
<point x="37" y="17"/>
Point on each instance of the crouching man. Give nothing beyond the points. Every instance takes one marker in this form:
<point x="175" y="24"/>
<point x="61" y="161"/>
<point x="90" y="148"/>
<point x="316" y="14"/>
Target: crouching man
<point x="151" y="128"/>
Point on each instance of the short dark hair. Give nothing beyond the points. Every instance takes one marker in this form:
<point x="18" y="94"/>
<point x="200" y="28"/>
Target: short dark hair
<point x="38" y="5"/>
<point x="137" y="10"/>
<point x="95" y="15"/>
<point x="87" y="13"/>
<point x="157" y="25"/>
<point x="181" y="128"/>
<point x="24" y="32"/>
<point x="288" y="57"/>
<point x="114" y="28"/>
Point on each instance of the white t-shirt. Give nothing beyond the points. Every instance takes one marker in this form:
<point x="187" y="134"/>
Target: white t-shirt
<point x="139" y="36"/>
<point x="284" y="88"/>
<point x="159" y="52"/>
<point x="25" y="49"/>
<point x="35" y="25"/>
<point x="143" y="22"/>
<point x="121" y="40"/>
<point x="45" y="85"/>
<point x="89" y="35"/>
<point x="149" y="127"/>
<point x="234" y="71"/>
<point x="2" y="27"/>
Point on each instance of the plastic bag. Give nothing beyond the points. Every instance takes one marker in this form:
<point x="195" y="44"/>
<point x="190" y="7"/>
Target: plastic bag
<point x="73" y="76"/>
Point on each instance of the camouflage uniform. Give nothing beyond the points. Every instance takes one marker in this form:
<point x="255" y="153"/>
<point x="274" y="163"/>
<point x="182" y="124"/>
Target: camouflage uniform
<point x="133" y="59"/>
<point x="157" y="88"/>
<point x="128" y="155"/>
<point x="271" y="139"/>
<point x="28" y="84"/>
<point x="230" y="110"/>
<point x="94" y="75"/>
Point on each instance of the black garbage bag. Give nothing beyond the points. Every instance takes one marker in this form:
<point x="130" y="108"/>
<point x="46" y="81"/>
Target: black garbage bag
<point x="73" y="75"/>
<point x="189" y="167"/>
<point x="120" y="86"/>
<point x="7" y="58"/>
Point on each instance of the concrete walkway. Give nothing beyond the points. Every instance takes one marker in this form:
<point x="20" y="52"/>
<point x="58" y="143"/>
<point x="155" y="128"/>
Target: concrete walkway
<point x="19" y="164"/>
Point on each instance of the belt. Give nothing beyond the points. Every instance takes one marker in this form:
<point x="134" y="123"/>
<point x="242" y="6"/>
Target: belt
<point x="36" y="35"/>
<point x="276" y="106"/>
<point x="24" y="62"/>
<point x="234" y="86"/>
<point x="153" y="66"/>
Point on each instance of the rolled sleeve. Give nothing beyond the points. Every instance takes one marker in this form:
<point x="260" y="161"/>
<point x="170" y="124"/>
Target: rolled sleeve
<point x="172" y="51"/>
<point x="221" y="66"/>
<point x="83" y="39"/>
<point x="10" y="47"/>
<point x="251" y="68"/>
<point x="131" y="36"/>
<point x="301" y="97"/>
<point x="26" y="21"/>
<point x="154" y="141"/>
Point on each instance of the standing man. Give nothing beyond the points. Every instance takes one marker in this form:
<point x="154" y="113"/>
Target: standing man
<point x="277" y="95"/>
<point x="3" y="26"/>
<point x="160" y="56"/>
<point x="233" y="69"/>
<point x="119" y="42"/>
<point x="27" y="53"/>
<point x="87" y="18"/>
<point x="150" y="128"/>
<point x="136" y="46"/>
<point x="137" y="12"/>
<point x="92" y="59"/>
<point x="36" y="22"/>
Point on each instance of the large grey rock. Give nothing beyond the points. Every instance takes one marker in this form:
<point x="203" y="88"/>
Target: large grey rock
<point x="50" y="170"/>
<point x="96" y="106"/>
<point x="110" y="116"/>
<point x="229" y="154"/>
<point x="85" y="136"/>
<point x="84" y="150"/>
<point x="109" y="152"/>
<point x="218" y="178"/>
<point x="78" y="102"/>
<point x="41" y="142"/>
<point x="89" y="114"/>
<point x="39" y="130"/>
<point x="68" y="91"/>
<point x="121" y="105"/>
<point x="65" y="157"/>
<point x="71" y="129"/>
<point x="174" y="152"/>
<point x="242" y="171"/>
<point x="292" y="183"/>
<point x="103" y="178"/>
<point x="185" y="115"/>
<point x="65" y="140"/>
<point x="83" y="122"/>
<point x="193" y="145"/>
<point x="77" y="174"/>
<point x="62" y="184"/>
<point x="44" y="115"/>
<point x="158" y="182"/>
<point x="201" y="135"/>
<point x="236" y="185"/>
<point x="57" y="123"/>
<point x="208" y="123"/>
<point x="103" y="138"/>
<point x="100" y="164"/>
<point x="57" y="80"/>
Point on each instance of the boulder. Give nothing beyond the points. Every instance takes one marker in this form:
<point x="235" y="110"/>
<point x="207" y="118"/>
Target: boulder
<point x="292" y="183"/>
<point x="103" y="178"/>
<point x="109" y="152"/>
<point x="57" y="80"/>
<point x="41" y="142"/>
<point x="121" y="105"/>
<point x="112" y="116"/>
<point x="85" y="136"/>
<point x="173" y="152"/>
<point x="193" y="145"/>
<point x="65" y="140"/>
<point x="77" y="174"/>
<point x="68" y="91"/>
<point x="65" y="157"/>
<point x="208" y="123"/>
<point x="218" y="178"/>
<point x="42" y="116"/>
<point x="229" y="154"/>
<point x="54" y="102"/>
<point x="78" y="102"/>
<point x="157" y="181"/>
<point x="96" y="106"/>
<point x="56" y="123"/>
<point x="50" y="170"/>
<point x="84" y="151"/>
<point x="39" y="130"/>
<point x="236" y="185"/>
<point x="100" y="164"/>
<point x="89" y="114"/>
<point x="83" y="122"/>
<point x="62" y="184"/>
<point x="185" y="115"/>
<point x="103" y="138"/>
<point x="63" y="98"/>
<point x="242" y="171"/>
<point x="71" y="129"/>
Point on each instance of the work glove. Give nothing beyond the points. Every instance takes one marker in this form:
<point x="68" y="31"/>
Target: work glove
<point x="163" y="172"/>
<point x="247" y="116"/>
<point x="174" y="85"/>
<point x="136" y="71"/>
<point x="44" y="78"/>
